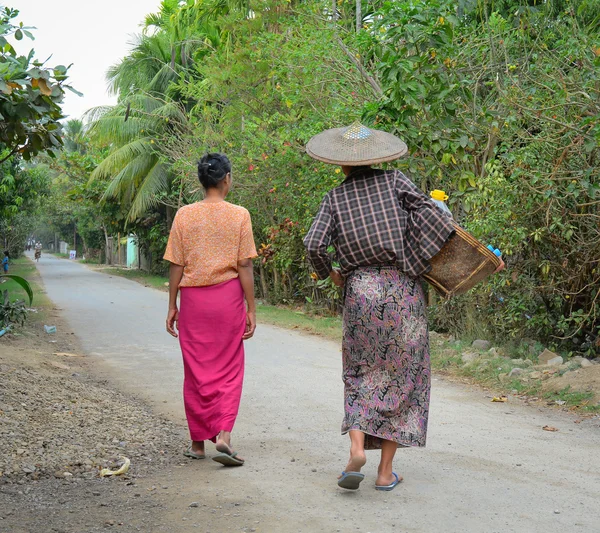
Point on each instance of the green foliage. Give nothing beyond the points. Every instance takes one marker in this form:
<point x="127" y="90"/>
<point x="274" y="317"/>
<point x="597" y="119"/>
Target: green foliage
<point x="262" y="117"/>
<point x="11" y="312"/>
<point x="22" y="282"/>
<point x="30" y="96"/>
<point x="74" y="205"/>
<point x="21" y="188"/>
<point x="498" y="101"/>
<point x="14" y="311"/>
<point x="500" y="109"/>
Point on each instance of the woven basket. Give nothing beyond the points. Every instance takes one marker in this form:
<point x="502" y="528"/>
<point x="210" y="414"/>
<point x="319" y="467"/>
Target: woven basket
<point x="460" y="265"/>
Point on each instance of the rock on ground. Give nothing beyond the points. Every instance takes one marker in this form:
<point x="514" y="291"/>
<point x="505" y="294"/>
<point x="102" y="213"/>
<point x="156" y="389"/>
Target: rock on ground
<point x="469" y="357"/>
<point x="480" y="344"/>
<point x="546" y="356"/>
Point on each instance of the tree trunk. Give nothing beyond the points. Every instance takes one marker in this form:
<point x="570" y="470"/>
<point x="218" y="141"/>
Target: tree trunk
<point x="263" y="281"/>
<point x="107" y="250"/>
<point x="276" y="281"/>
<point x="170" y="216"/>
<point x="358" y="15"/>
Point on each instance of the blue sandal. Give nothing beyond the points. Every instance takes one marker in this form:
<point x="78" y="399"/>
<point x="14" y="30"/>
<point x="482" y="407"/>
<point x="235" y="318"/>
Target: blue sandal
<point x="350" y="480"/>
<point x="391" y="486"/>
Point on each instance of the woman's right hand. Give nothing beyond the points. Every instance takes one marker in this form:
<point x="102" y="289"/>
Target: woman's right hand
<point x="172" y="319"/>
<point x="336" y="277"/>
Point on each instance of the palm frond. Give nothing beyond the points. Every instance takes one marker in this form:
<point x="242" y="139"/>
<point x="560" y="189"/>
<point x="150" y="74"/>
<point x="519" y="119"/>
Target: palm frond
<point x="116" y="161"/>
<point x="125" y="184"/>
<point x="114" y="129"/>
<point x="155" y="181"/>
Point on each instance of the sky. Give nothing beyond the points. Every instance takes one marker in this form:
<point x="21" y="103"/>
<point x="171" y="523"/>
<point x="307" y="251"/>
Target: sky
<point x="93" y="35"/>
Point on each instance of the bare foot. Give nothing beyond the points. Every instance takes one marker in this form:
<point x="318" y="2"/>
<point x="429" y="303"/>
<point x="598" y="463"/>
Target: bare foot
<point x="223" y="444"/>
<point x="358" y="459"/>
<point x="387" y="479"/>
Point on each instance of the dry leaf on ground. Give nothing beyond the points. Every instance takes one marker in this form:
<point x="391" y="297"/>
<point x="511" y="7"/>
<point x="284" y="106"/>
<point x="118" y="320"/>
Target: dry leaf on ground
<point x="123" y="470"/>
<point x="499" y="399"/>
<point x="549" y="428"/>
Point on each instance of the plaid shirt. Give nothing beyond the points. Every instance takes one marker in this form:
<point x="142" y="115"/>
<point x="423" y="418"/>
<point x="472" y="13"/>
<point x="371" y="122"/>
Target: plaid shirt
<point x="377" y="217"/>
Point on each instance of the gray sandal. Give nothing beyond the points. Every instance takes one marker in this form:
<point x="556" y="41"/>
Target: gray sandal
<point x="228" y="459"/>
<point x="192" y="454"/>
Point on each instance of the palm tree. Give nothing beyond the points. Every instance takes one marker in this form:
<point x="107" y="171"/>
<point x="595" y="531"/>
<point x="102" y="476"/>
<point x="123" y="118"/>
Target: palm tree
<point x="138" y="165"/>
<point x="73" y="132"/>
<point x="152" y="109"/>
<point x="148" y="67"/>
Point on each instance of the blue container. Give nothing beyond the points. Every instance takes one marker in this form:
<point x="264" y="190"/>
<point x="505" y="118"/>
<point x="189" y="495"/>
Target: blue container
<point x="495" y="251"/>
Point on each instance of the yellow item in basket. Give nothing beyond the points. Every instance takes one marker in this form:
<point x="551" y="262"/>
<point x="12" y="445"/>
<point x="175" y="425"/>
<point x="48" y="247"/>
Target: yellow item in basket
<point x="439" y="195"/>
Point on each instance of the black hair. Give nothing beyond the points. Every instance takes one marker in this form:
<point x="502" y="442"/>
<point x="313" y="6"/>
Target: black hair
<point x="212" y="169"/>
<point x="6" y="253"/>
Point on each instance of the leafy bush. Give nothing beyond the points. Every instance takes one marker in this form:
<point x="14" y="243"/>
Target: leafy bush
<point x="502" y="110"/>
<point x="12" y="312"/>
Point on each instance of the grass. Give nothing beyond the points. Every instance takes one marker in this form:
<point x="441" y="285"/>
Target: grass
<point x="493" y="372"/>
<point x="575" y="398"/>
<point x="149" y="280"/>
<point x="329" y="327"/>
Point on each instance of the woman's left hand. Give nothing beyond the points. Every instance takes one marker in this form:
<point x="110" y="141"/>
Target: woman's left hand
<point x="172" y="319"/>
<point x="250" y="325"/>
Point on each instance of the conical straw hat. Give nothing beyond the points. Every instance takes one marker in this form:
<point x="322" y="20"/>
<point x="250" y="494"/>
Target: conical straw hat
<point x="355" y="145"/>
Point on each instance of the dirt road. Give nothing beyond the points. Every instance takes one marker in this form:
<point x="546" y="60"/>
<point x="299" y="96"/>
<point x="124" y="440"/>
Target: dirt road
<point x="487" y="467"/>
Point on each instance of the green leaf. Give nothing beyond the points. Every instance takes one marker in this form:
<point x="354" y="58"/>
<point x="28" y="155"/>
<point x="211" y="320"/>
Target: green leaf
<point x="23" y="282"/>
<point x="18" y="35"/>
<point x="75" y="91"/>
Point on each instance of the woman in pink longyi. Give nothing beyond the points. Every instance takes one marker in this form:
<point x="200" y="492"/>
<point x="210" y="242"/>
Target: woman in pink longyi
<point x="210" y="249"/>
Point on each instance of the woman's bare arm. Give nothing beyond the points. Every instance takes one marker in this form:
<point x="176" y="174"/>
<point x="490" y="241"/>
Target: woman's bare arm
<point x="175" y="275"/>
<point x="246" y="274"/>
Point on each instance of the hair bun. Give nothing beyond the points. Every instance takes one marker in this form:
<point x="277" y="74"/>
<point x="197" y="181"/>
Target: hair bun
<point x="212" y="169"/>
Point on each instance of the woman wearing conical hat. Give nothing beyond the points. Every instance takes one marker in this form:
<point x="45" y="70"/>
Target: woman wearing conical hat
<point x="384" y="231"/>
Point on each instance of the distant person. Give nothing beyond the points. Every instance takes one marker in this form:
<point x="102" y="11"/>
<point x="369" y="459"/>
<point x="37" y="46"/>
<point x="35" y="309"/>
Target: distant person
<point x="384" y="231"/>
<point x="5" y="262"/>
<point x="211" y="249"/>
<point x="38" y="251"/>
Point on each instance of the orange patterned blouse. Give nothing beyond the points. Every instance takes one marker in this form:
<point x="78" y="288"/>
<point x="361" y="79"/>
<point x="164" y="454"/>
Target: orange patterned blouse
<point x="208" y="239"/>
